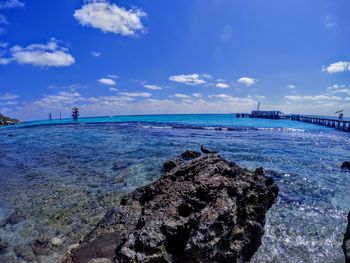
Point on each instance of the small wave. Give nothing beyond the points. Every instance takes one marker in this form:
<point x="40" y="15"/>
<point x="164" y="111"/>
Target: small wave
<point x="156" y="127"/>
<point x="282" y="129"/>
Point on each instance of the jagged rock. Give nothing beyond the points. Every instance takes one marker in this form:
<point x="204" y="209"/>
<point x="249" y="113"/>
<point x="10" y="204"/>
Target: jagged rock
<point x="41" y="246"/>
<point x="190" y="154"/>
<point x="345" y="165"/>
<point x="205" y="210"/>
<point x="346" y="242"/>
<point x="172" y="163"/>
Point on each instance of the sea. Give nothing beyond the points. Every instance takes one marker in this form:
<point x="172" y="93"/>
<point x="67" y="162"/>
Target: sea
<point x="58" y="178"/>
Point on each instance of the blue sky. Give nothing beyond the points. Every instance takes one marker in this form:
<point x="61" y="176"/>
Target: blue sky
<point x="184" y="56"/>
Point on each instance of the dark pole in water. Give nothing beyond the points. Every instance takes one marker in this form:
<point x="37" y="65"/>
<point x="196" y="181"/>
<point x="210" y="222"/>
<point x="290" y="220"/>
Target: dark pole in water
<point x="60" y="116"/>
<point x="50" y="116"/>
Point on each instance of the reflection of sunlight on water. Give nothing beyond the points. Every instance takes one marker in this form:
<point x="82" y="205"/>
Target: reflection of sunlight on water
<point x="65" y="178"/>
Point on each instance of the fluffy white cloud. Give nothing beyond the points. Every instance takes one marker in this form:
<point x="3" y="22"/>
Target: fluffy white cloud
<point x="8" y="96"/>
<point x="153" y="87"/>
<point x="41" y="55"/>
<point x="109" y="17"/>
<point x="107" y="81"/>
<point x="222" y="85"/>
<point x="190" y="79"/>
<point x="136" y="94"/>
<point x="181" y="96"/>
<point x="11" y="4"/>
<point x="247" y="81"/>
<point x="336" y="67"/>
<point x="291" y="86"/>
<point x="95" y="54"/>
<point x="113" y="89"/>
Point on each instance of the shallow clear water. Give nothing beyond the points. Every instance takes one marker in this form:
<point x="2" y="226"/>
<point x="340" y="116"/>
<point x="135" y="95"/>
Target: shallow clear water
<point x="61" y="179"/>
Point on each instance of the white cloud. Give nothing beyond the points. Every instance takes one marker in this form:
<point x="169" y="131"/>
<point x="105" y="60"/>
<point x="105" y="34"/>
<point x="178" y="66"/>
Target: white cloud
<point x="107" y="81"/>
<point x="222" y="85"/>
<point x="247" y="81"/>
<point x="339" y="89"/>
<point x="153" y="87"/>
<point x="315" y="98"/>
<point x="336" y="67"/>
<point x="60" y="100"/>
<point x="95" y="54"/>
<point x="8" y="96"/>
<point x="190" y="79"/>
<point x="136" y="94"/>
<point x="113" y="89"/>
<point x="11" y="4"/>
<point x="109" y="17"/>
<point x="291" y="86"/>
<point x="233" y="98"/>
<point x="41" y="55"/>
<point x="197" y="95"/>
<point x="181" y="96"/>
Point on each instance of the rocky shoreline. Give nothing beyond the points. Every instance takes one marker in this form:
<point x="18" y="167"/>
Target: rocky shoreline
<point x="204" y="209"/>
<point x="4" y="120"/>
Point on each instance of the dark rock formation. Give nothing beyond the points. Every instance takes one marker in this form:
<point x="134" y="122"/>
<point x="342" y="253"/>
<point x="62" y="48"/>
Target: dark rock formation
<point x="172" y="163"/>
<point x="7" y="121"/>
<point x="190" y="154"/>
<point x="345" y="165"/>
<point x="346" y="242"/>
<point x="41" y="246"/>
<point x="203" y="210"/>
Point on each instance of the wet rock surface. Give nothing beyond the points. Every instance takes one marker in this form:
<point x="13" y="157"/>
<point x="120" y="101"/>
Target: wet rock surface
<point x="190" y="154"/>
<point x="345" y="165"/>
<point x="202" y="210"/>
<point x="346" y="242"/>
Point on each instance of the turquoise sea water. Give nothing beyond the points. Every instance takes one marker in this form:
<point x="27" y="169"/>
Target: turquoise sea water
<point x="59" y="180"/>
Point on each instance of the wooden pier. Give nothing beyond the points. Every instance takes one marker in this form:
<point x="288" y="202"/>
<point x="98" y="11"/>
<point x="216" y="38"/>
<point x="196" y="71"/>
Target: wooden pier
<point x="342" y="125"/>
<point x="332" y="123"/>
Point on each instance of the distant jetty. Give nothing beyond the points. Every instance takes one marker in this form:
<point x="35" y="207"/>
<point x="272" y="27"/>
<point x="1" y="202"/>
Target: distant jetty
<point x="339" y="124"/>
<point x="4" y="120"/>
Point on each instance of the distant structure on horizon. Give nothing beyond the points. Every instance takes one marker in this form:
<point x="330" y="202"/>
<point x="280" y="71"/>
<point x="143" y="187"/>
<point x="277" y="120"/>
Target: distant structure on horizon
<point x="274" y="114"/>
<point x="75" y="113"/>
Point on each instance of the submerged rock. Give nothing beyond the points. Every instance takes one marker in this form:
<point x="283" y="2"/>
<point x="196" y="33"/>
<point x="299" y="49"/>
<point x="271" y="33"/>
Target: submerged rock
<point x="13" y="219"/>
<point x="205" y="210"/>
<point x="41" y="246"/>
<point x="3" y="245"/>
<point x="345" y="165"/>
<point x="24" y="252"/>
<point x="346" y="242"/>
